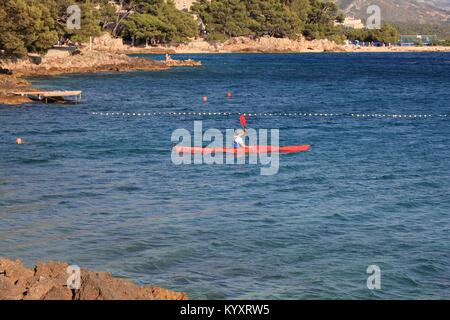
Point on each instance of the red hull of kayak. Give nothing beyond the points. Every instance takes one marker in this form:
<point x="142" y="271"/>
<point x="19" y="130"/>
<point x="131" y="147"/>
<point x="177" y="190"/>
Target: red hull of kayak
<point x="246" y="150"/>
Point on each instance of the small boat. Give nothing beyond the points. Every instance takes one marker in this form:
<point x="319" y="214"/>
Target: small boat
<point x="245" y="150"/>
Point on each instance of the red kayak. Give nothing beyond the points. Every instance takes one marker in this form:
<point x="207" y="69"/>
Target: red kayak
<point x="246" y="150"/>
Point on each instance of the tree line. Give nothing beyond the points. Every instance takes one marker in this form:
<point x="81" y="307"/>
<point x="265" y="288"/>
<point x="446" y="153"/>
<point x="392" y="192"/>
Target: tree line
<point x="387" y="34"/>
<point x="277" y="18"/>
<point x="36" y="25"/>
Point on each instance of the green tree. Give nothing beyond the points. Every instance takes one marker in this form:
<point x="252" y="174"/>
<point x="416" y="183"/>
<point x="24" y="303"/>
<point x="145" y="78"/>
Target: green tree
<point x="301" y="8"/>
<point x="231" y="18"/>
<point x="143" y="27"/>
<point x="272" y="18"/>
<point x="277" y="18"/>
<point x="90" y="23"/>
<point x="181" y="25"/>
<point x="355" y="34"/>
<point x="107" y="13"/>
<point x="224" y="18"/>
<point x="27" y="26"/>
<point x="158" y="20"/>
<point x="320" y="22"/>
<point x="387" y="34"/>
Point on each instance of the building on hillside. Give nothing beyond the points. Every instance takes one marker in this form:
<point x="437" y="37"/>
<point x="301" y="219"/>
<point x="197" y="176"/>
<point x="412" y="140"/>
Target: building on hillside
<point x="350" y="22"/>
<point x="417" y="39"/>
<point x="184" y="5"/>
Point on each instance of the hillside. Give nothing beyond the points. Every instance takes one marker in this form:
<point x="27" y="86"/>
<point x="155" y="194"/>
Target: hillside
<point x="443" y="4"/>
<point x="425" y="12"/>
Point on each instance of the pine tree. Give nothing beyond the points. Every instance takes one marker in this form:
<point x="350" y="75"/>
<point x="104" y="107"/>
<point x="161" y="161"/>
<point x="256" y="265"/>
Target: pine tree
<point x="27" y="26"/>
<point x="90" y="23"/>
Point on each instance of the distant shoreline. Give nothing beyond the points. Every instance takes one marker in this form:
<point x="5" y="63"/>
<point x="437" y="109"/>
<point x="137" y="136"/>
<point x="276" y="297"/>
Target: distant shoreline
<point x="263" y="45"/>
<point x="106" y="59"/>
<point x="371" y="50"/>
<point x="350" y="50"/>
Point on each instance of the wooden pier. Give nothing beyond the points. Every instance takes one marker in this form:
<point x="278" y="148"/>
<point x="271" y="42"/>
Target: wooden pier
<point x="51" y="96"/>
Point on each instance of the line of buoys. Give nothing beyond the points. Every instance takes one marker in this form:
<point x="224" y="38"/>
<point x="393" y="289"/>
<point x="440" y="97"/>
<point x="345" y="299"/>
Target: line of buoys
<point x="275" y="114"/>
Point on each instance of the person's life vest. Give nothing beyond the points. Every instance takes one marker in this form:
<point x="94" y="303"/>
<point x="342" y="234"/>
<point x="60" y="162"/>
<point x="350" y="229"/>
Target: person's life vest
<point x="237" y="144"/>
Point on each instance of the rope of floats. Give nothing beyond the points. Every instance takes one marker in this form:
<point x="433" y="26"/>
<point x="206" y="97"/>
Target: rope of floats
<point x="274" y="114"/>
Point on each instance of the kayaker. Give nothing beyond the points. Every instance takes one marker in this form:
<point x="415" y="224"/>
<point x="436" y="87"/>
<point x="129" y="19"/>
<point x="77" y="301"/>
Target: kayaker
<point x="238" y="141"/>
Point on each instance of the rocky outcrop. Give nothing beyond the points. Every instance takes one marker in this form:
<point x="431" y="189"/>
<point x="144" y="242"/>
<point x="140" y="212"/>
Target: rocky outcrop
<point x="48" y="281"/>
<point x="106" y="42"/>
<point x="82" y="62"/>
<point x="277" y="45"/>
<point x="270" y="44"/>
<point x="13" y="99"/>
<point x="9" y="84"/>
<point x="182" y="63"/>
<point x="263" y="45"/>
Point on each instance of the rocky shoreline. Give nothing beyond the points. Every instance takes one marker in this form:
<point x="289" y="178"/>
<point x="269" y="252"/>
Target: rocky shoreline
<point x="85" y="61"/>
<point x="9" y="84"/>
<point x="249" y="45"/>
<point x="48" y="281"/>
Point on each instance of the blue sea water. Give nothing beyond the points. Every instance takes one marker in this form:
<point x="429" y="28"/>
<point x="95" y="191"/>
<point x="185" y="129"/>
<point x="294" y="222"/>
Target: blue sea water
<point x="101" y="191"/>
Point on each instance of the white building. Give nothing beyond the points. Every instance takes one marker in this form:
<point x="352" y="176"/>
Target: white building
<point x="351" y="22"/>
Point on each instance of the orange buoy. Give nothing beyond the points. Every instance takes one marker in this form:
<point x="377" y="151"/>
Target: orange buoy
<point x="204" y="98"/>
<point x="229" y="94"/>
<point x="18" y="141"/>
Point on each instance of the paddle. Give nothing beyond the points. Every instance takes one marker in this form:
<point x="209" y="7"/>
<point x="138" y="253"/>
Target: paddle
<point x="243" y="121"/>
